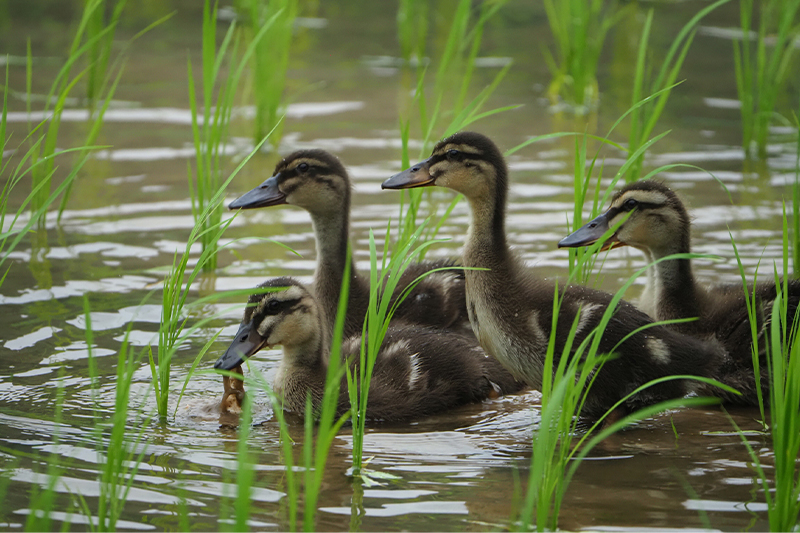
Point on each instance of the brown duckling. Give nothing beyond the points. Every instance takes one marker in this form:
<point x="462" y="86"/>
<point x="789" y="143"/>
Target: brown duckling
<point x="419" y="371"/>
<point x="316" y="181"/>
<point x="510" y="307"/>
<point x="658" y="224"/>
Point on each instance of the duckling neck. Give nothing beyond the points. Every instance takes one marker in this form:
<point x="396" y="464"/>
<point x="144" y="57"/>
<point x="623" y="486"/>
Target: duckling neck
<point x="486" y="245"/>
<point x="331" y="230"/>
<point x="671" y="291"/>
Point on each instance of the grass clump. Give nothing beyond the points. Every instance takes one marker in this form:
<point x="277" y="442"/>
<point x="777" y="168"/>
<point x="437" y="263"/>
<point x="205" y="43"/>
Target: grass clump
<point x="559" y="444"/>
<point x="447" y="109"/>
<point x="645" y="116"/>
<point x="763" y="66"/>
<point x="172" y="331"/>
<point x="211" y="136"/>
<point x="782" y="354"/>
<point x="579" y="28"/>
<point x="270" y="61"/>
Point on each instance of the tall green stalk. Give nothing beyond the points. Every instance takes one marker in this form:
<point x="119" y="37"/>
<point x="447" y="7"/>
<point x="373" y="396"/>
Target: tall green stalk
<point x="763" y="72"/>
<point x="177" y="284"/>
<point x="447" y="110"/>
<point x="557" y="450"/>
<point x="579" y="28"/>
<point x="645" y="117"/>
<point x="211" y="137"/>
<point x="270" y="61"/>
<point x="782" y="351"/>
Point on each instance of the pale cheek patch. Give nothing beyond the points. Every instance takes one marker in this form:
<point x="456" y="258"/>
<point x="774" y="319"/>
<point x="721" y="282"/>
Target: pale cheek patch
<point x="658" y="351"/>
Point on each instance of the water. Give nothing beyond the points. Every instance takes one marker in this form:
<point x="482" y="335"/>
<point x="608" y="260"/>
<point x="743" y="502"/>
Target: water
<point x="130" y="211"/>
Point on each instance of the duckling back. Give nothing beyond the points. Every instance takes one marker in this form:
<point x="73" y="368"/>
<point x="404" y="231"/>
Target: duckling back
<point x="423" y="371"/>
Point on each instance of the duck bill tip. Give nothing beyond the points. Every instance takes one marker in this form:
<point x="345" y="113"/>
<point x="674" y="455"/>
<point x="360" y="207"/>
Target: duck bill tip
<point x="265" y="195"/>
<point x="416" y="176"/>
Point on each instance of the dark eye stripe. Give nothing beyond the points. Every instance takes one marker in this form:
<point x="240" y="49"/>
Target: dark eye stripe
<point x="267" y="310"/>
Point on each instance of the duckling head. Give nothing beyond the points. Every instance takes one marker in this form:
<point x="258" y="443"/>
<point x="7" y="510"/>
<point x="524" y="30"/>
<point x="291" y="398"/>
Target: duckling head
<point x="286" y="315"/>
<point x="647" y="215"/>
<point x="312" y="179"/>
<point x="467" y="162"/>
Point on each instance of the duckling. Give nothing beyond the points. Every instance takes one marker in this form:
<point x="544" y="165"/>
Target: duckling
<point x="510" y="308"/>
<point x="316" y="181"/>
<point x="419" y="371"/>
<point x="659" y="225"/>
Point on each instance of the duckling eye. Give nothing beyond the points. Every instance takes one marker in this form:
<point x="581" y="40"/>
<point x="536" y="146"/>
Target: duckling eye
<point x="453" y="155"/>
<point x="630" y="204"/>
<point x="272" y="307"/>
<point x="302" y="167"/>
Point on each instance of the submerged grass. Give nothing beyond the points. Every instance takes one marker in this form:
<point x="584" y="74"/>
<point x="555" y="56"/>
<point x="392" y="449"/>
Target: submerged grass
<point x="763" y="68"/>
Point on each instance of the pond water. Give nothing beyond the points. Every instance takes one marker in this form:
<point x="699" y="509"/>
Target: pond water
<point x="130" y="211"/>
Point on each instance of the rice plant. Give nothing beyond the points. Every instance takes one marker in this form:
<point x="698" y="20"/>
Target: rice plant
<point x="645" y="117"/>
<point x="376" y="324"/>
<point x="270" y="61"/>
<point x="763" y="67"/>
<point x="557" y="449"/>
<point x="447" y="110"/>
<point x="119" y="454"/>
<point x="211" y="137"/>
<point x="783" y="363"/>
<point x="14" y="227"/>
<point x="60" y="89"/>
<point x="172" y="332"/>
<point x="99" y="53"/>
<point x="579" y="28"/>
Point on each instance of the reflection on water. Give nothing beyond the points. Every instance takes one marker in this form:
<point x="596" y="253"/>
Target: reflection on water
<point x="131" y="212"/>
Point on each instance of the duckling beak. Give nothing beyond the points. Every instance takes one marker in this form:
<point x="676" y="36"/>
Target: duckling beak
<point x="590" y="234"/>
<point x="265" y="195"/>
<point x="246" y="342"/>
<point x="417" y="176"/>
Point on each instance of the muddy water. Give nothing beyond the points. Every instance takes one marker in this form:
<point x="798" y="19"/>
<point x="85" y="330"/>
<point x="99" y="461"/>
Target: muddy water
<point x="130" y="211"/>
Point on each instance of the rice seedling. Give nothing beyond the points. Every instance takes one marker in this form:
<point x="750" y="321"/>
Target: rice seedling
<point x="376" y="323"/>
<point x="13" y="228"/>
<point x="270" y="61"/>
<point x="557" y="449"/>
<point x="60" y="89"/>
<point x="43" y="501"/>
<point x="783" y="363"/>
<point x="119" y="454"/>
<point x="644" y="117"/>
<point x="448" y="110"/>
<point x="210" y="138"/>
<point x="100" y="52"/>
<point x="579" y="28"/>
<point x="763" y="70"/>
<point x="172" y="333"/>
